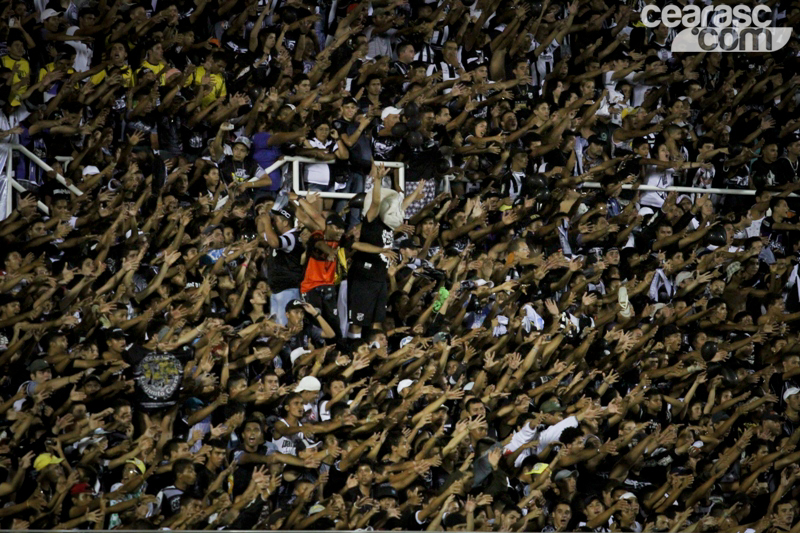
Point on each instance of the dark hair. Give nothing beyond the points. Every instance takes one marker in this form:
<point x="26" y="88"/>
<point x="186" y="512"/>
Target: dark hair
<point x="172" y="446"/>
<point x="181" y="465"/>
<point x="570" y="435"/>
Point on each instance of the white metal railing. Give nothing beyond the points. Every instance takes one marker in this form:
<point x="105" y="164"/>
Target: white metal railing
<point x="687" y="190"/>
<point x="297" y="184"/>
<point x="16" y="186"/>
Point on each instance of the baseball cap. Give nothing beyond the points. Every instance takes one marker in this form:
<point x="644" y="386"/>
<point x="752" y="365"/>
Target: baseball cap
<point x="38" y="364"/>
<point x="294" y="304"/>
<point x="48" y="13"/>
<point x="628" y="111"/>
<point x="335" y="220"/>
<point x="628" y="496"/>
<point x="385" y="491"/>
<point x="390" y="111"/>
<point x="719" y="417"/>
<point x="308" y="383"/>
<point x="407" y="243"/>
<point x="791" y="391"/>
<point x="564" y="474"/>
<point x="682" y="276"/>
<point x="595" y="139"/>
<point x="297" y="353"/>
<point x="404" y="384"/>
<point x="80" y="488"/>
<point x="117" y="333"/>
<point x="138" y="463"/>
<point x="552" y="406"/>
<point x="89" y="170"/>
<point x="283" y="213"/>
<point x="43" y="460"/>
<point x="243" y="140"/>
<point x="453" y="520"/>
<point x="538" y="468"/>
<point x="314" y="509"/>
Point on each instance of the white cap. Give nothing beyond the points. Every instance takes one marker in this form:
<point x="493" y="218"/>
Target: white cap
<point x="243" y="140"/>
<point x="682" y="276"/>
<point x="405" y="340"/>
<point x="628" y="496"/>
<point x="698" y="444"/>
<point x="390" y="111"/>
<point x="404" y="384"/>
<point x="481" y="282"/>
<point x="47" y="13"/>
<point x="791" y="391"/>
<point x="298" y="352"/>
<point x="308" y="383"/>
<point x="88" y="170"/>
<point x="469" y="385"/>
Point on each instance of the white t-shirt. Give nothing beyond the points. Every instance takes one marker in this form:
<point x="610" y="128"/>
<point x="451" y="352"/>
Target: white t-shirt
<point x="84" y="53"/>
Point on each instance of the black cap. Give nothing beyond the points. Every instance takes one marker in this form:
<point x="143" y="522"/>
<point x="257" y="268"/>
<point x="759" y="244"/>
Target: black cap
<point x="37" y="365"/>
<point x="453" y="520"/>
<point x="283" y="213"/>
<point x="349" y="100"/>
<point x="335" y="220"/>
<point x="294" y="304"/>
<point x="117" y="333"/>
<point x="595" y="139"/>
<point x="407" y="243"/>
<point x="386" y="491"/>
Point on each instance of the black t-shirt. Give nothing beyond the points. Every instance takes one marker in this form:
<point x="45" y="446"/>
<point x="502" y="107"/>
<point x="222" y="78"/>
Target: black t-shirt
<point x="384" y="148"/>
<point x="194" y="139"/>
<point x="170" y="128"/>
<point x="361" y="152"/>
<point x="238" y="171"/>
<point x="766" y="174"/>
<point x="787" y="171"/>
<point x="309" y="338"/>
<point x="778" y="239"/>
<point x="421" y="161"/>
<point x="372" y="266"/>
<point x="285" y="268"/>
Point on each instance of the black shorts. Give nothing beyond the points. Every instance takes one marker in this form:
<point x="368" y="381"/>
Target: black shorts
<point x="366" y="301"/>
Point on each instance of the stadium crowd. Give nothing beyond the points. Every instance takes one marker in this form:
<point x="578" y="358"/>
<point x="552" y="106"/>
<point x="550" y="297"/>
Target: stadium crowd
<point x="486" y="345"/>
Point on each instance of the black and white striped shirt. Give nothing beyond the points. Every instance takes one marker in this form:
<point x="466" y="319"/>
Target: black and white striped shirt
<point x="449" y="72"/>
<point x="426" y="53"/>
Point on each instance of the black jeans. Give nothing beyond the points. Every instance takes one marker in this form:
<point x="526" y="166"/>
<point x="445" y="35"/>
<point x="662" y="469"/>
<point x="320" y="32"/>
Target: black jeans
<point x="326" y="299"/>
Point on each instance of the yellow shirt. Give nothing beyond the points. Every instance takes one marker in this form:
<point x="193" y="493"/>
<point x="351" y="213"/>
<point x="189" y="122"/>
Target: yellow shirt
<point x="159" y="70"/>
<point x="126" y="72"/>
<point x="218" y="82"/>
<point x="53" y="89"/>
<point x="23" y="71"/>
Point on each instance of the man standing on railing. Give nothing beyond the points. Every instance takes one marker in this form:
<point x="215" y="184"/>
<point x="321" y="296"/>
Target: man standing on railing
<point x="285" y="270"/>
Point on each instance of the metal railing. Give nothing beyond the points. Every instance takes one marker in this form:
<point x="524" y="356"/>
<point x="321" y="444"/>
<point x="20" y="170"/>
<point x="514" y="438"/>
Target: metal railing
<point x="297" y="179"/>
<point x="686" y="190"/>
<point x="15" y="185"/>
<point x="297" y="175"/>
